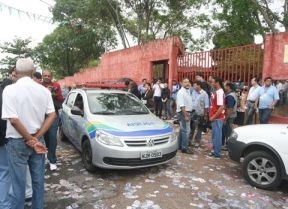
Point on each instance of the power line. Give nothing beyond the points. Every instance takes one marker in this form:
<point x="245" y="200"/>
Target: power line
<point x="31" y="15"/>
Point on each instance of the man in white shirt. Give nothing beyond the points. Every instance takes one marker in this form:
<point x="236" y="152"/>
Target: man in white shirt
<point x="29" y="111"/>
<point x="157" y="89"/>
<point x="183" y="109"/>
<point x="252" y="96"/>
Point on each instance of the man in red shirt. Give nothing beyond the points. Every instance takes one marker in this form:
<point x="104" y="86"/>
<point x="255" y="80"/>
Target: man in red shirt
<point x="51" y="135"/>
<point x="216" y="115"/>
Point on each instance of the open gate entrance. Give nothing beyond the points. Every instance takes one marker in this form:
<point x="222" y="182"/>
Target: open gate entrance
<point x="238" y="64"/>
<point x="161" y="70"/>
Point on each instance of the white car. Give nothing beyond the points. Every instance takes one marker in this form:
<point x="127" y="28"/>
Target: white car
<point x="114" y="129"/>
<point x="263" y="148"/>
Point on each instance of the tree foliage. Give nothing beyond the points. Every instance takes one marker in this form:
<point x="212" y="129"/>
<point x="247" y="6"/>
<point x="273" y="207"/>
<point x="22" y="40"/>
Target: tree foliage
<point x="13" y="50"/>
<point x="66" y="51"/>
<point x="240" y="21"/>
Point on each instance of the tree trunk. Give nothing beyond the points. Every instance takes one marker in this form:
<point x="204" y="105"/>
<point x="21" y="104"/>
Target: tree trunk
<point x="265" y="16"/>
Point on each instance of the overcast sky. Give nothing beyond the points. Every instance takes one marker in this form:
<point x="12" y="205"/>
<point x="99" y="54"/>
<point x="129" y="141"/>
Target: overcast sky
<point x="25" y="19"/>
<point x="29" y="19"/>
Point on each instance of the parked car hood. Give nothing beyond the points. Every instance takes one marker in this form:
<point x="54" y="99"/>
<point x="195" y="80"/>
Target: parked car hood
<point x="262" y="132"/>
<point x="129" y="126"/>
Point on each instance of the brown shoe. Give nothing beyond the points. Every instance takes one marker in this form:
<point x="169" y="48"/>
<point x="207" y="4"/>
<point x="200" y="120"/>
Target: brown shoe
<point x="187" y="151"/>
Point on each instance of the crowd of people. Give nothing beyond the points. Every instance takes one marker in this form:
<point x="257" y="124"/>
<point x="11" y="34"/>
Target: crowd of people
<point x="28" y="134"/>
<point x="29" y="110"/>
<point x="199" y="104"/>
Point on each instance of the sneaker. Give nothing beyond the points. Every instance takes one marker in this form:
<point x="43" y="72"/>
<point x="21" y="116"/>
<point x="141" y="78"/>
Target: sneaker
<point x="197" y="144"/>
<point x="53" y="167"/>
<point x="224" y="148"/>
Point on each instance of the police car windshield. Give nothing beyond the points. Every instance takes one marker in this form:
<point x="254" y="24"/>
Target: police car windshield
<point x="115" y="104"/>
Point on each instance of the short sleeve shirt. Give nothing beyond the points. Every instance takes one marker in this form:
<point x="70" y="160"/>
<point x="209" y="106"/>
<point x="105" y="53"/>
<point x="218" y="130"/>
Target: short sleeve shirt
<point x="267" y="95"/>
<point x="217" y="100"/>
<point x="184" y="99"/>
<point x="29" y="102"/>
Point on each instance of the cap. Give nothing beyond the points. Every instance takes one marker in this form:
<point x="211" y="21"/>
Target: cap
<point x="24" y="65"/>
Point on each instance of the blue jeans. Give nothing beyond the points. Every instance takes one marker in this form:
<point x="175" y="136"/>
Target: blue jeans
<point x="217" y="136"/>
<point x="5" y="180"/>
<point x="20" y="155"/>
<point x="184" y="131"/>
<point x="227" y="130"/>
<point x="51" y="141"/>
<point x="264" y="115"/>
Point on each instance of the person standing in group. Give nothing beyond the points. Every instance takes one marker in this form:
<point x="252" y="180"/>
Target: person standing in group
<point x="268" y="97"/>
<point x="250" y="101"/>
<point x="157" y="88"/>
<point x="183" y="109"/>
<point x="37" y="76"/>
<point x="133" y="88"/>
<point x="141" y="87"/>
<point x="165" y="96"/>
<point x="5" y="180"/>
<point x="51" y="135"/>
<point x="231" y="102"/>
<point x="29" y="111"/>
<point x="147" y="97"/>
<point x="216" y="115"/>
<point x="200" y="106"/>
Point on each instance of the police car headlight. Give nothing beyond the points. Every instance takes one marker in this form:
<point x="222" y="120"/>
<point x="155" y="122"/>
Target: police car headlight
<point x="233" y="136"/>
<point x="109" y="140"/>
<point x="174" y="134"/>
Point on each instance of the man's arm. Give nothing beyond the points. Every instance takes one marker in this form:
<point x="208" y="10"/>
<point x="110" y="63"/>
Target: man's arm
<point x="275" y="99"/>
<point x="218" y="112"/>
<point x="230" y="103"/>
<point x="30" y="140"/>
<point x="185" y="114"/>
<point x="46" y="125"/>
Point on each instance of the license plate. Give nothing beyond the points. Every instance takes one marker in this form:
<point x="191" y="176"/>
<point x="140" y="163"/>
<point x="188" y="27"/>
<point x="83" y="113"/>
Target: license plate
<point x="151" y="155"/>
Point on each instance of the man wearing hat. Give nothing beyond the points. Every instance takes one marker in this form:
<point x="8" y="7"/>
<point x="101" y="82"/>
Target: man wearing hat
<point x="29" y="111"/>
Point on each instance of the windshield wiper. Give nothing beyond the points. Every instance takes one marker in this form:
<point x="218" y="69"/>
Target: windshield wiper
<point x="104" y="113"/>
<point x="134" y="112"/>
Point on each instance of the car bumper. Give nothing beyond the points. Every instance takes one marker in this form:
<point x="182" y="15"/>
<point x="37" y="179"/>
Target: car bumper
<point x="130" y="157"/>
<point x="235" y="149"/>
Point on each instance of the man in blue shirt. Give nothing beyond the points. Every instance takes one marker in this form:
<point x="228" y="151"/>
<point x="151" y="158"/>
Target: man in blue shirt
<point x="267" y="99"/>
<point x="200" y="106"/>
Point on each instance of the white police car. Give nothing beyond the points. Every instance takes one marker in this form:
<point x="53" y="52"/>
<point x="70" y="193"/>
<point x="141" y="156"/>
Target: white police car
<point x="264" y="151"/>
<point x="113" y="129"/>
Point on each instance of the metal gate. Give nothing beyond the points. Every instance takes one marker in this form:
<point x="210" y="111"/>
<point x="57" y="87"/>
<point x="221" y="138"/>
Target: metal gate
<point x="237" y="64"/>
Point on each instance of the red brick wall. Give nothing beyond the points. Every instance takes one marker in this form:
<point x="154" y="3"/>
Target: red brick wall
<point x="134" y="63"/>
<point x="274" y="65"/>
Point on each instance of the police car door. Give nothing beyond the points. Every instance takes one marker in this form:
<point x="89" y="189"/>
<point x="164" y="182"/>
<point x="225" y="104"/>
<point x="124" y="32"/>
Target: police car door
<point x="77" y="121"/>
<point x="66" y="112"/>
